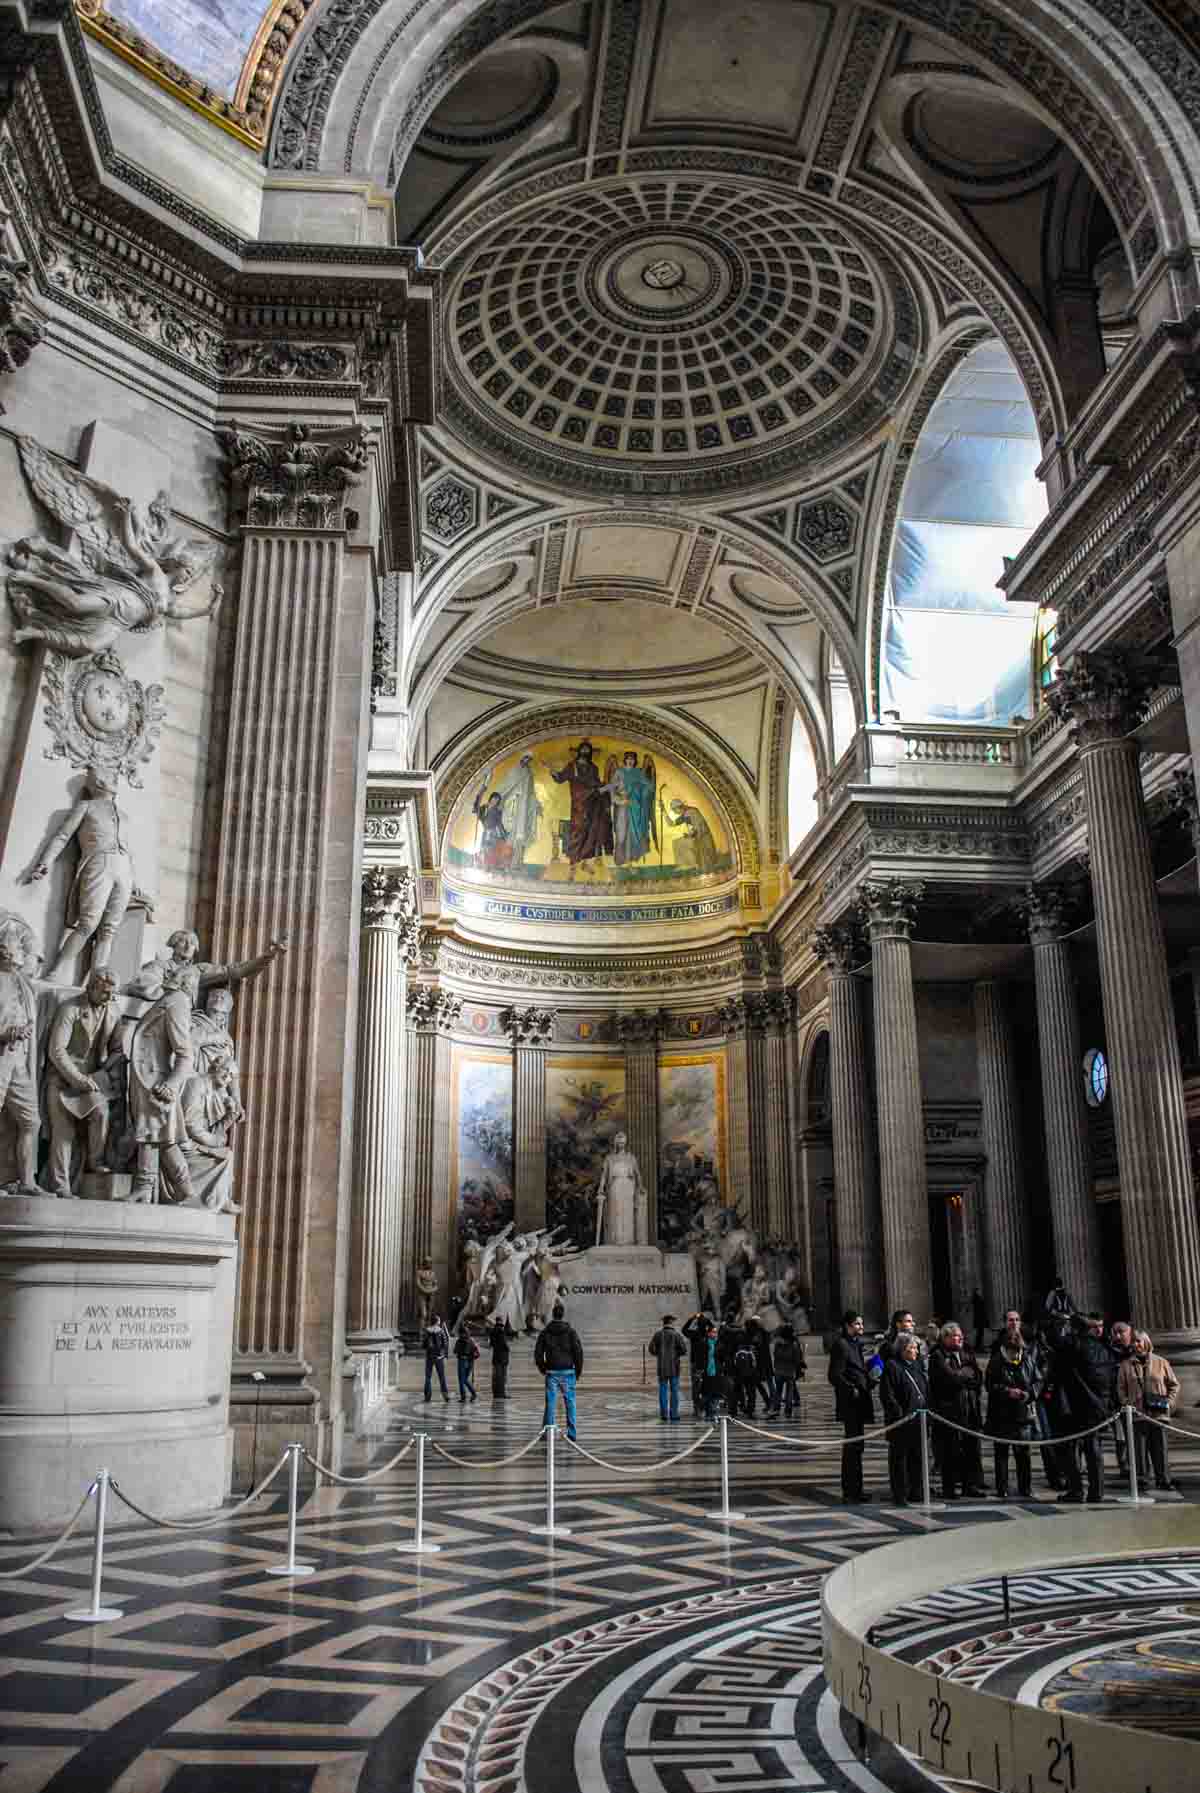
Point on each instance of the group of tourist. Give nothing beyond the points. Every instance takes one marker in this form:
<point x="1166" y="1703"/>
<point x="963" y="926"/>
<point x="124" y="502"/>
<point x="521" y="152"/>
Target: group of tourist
<point x="558" y="1355"/>
<point x="1036" y="1388"/>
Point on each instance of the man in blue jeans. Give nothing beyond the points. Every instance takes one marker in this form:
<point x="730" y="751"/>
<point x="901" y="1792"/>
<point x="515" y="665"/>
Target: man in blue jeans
<point x="559" y="1356"/>
<point x="668" y="1348"/>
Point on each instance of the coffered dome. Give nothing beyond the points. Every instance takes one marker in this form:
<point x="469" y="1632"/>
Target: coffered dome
<point x="595" y="339"/>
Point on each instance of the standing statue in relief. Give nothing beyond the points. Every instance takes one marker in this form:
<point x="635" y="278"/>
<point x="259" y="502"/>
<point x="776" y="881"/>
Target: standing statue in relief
<point x="123" y="571"/>
<point x="426" y="1290"/>
<point x="180" y="952"/>
<point x="621" y="1198"/>
<point x="548" y="1261"/>
<point x="104" y="881"/>
<point x="19" y="992"/>
<point x="480" y="1273"/>
<point x="210" y="1111"/>
<point x="160" y="1063"/>
<point x="84" y="1077"/>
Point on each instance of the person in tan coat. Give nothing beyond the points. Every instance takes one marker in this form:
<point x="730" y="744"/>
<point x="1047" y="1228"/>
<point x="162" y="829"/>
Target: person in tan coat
<point x="1148" y="1384"/>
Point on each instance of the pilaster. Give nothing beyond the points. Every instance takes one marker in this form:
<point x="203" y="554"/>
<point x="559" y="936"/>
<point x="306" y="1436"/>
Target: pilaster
<point x="1103" y="696"/>
<point x="1060" y="1052"/>
<point x="431" y="1016"/>
<point x="288" y="863"/>
<point x="889" y="908"/>
<point x="639" y="1032"/>
<point x="1006" y="1267"/>
<point x="735" y="1022"/>
<point x="843" y="949"/>
<point x="532" y="1032"/>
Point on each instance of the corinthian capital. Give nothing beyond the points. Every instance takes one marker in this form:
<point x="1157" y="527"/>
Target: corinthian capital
<point x="889" y="908"/>
<point x="528" y="1027"/>
<point x="640" y="1027"/>
<point x="1184" y="801"/>
<point x="21" y="325"/>
<point x="385" y="893"/>
<point x="1102" y="695"/>
<point x="295" y="478"/>
<point x="841" y="946"/>
<point x="1048" y="911"/>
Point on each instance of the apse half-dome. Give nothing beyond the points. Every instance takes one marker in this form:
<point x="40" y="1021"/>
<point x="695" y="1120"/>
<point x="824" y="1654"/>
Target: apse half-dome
<point x="577" y="825"/>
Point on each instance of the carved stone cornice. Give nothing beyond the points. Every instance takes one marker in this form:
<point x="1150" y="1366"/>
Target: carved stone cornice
<point x="21" y="324"/>
<point x="528" y="1027"/>
<point x="1048" y="910"/>
<point x="385" y="891"/>
<point x="840" y="946"/>
<point x="298" y="478"/>
<point x="889" y="908"/>
<point x="1102" y="695"/>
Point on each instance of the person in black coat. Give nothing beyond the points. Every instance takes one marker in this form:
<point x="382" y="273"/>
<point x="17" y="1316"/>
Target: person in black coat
<point x="498" y="1336"/>
<point x="764" y="1373"/>
<point x="695" y="1331"/>
<point x="853" y="1402"/>
<point x="740" y="1369"/>
<point x="904" y="1392"/>
<point x="1086" y="1367"/>
<point x="955" y="1385"/>
<point x="1014" y="1384"/>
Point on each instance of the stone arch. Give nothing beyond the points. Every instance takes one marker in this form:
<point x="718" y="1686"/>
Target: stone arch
<point x="361" y="81"/>
<point x="491" y="741"/>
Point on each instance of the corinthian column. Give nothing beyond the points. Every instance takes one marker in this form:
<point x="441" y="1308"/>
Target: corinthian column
<point x="1068" y="1160"/>
<point x="429" y="1217"/>
<point x="772" y="1116"/>
<point x="890" y="910"/>
<point x="1006" y="1224"/>
<point x="371" y="1310"/>
<point x="1104" y="695"/>
<point x="532" y="1032"/>
<point x="638" y="1033"/>
<point x="288" y="863"/>
<point x="735" y="1020"/>
<point x="842" y="949"/>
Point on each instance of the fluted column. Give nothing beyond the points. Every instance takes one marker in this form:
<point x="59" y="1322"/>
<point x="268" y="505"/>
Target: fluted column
<point x="372" y="1294"/>
<point x="734" y="1020"/>
<point x="774" y="1116"/>
<point x="288" y="863"/>
<point x="1068" y="1160"/>
<point x="890" y="910"/>
<point x="1103" y="695"/>
<point x="1005" y="1214"/>
<point x="531" y="1031"/>
<point x="429" y="1224"/>
<point x="842" y="949"/>
<point x="638" y="1033"/>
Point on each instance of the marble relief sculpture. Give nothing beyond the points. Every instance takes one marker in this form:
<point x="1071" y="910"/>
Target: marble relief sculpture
<point x="19" y="992"/>
<point x="621" y="1198"/>
<point x="84" y="1074"/>
<point x="123" y="570"/>
<point x="427" y="1287"/>
<point x="104" y="884"/>
<point x="739" y="1273"/>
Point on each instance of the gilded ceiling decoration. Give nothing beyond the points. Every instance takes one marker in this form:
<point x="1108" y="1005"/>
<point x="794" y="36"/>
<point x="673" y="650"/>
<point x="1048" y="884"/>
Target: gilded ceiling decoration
<point x="675" y="335"/>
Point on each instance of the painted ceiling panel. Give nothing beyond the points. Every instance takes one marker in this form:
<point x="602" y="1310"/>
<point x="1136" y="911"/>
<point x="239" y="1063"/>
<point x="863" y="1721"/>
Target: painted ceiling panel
<point x="209" y="38"/>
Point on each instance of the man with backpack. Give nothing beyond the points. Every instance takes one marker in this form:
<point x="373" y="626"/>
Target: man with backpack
<point x="436" y="1341"/>
<point x="668" y="1348"/>
<point x="466" y="1351"/>
<point x="740" y="1367"/>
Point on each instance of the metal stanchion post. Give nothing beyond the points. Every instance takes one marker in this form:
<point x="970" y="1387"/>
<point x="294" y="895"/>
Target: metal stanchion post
<point x="724" y="1512"/>
<point x="550" y="1529"/>
<point x="95" y="1614"/>
<point x="417" y="1546"/>
<point x="292" y="1567"/>
<point x="928" y="1504"/>
<point x="1133" y="1498"/>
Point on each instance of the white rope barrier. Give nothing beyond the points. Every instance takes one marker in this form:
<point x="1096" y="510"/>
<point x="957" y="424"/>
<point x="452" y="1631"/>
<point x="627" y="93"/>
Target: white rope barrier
<point x="489" y="1462"/>
<point x="95" y="1613"/>
<point x="1030" y="1443"/>
<point x="199" y="1525"/>
<point x="643" y="1468"/>
<point x="826" y="1444"/>
<point x="72" y="1522"/>
<point x="290" y="1566"/>
<point x="551" y="1529"/>
<point x="370" y="1475"/>
<point x="417" y="1545"/>
<point x="724" y="1512"/>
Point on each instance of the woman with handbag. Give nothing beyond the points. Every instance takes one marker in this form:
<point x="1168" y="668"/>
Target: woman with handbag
<point x="1148" y="1384"/>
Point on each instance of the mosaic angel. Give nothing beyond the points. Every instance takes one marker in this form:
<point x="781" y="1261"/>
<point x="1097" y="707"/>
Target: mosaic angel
<point x="631" y="789"/>
<point x="122" y="572"/>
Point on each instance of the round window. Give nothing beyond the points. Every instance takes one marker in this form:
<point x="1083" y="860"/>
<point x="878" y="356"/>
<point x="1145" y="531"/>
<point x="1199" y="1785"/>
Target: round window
<point x="1095" y="1077"/>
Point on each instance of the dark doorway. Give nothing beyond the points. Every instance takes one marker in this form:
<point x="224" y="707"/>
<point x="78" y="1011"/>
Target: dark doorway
<point x="939" y="1252"/>
<point x="1112" y="1260"/>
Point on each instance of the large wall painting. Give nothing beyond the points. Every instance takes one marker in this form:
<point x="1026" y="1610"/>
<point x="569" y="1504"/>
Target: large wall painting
<point x="585" y="1110"/>
<point x="598" y="813"/>
<point x="691" y="1141"/>
<point x="481" y="1135"/>
<point x="209" y="38"/>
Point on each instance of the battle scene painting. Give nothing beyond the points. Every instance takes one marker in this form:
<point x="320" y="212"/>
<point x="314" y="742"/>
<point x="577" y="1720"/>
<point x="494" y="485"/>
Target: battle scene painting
<point x="585" y="1110"/>
<point x="691" y="1142"/>
<point x="481" y="1167"/>
<point x="596" y="810"/>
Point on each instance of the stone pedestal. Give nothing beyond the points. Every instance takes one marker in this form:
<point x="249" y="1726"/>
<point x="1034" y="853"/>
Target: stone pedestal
<point x="1103" y="695"/>
<point x="615" y="1294"/>
<point x="1060" y="1050"/>
<point x="842" y="948"/>
<point x="116" y="1331"/>
<point x="1006" y="1227"/>
<point x="890" y="911"/>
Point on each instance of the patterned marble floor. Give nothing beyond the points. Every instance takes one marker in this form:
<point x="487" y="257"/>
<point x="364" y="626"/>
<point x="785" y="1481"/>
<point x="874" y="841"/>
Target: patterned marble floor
<point x="652" y="1649"/>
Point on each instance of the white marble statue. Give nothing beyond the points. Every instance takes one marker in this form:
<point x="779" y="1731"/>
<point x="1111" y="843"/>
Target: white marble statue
<point x="427" y="1287"/>
<point x="548" y="1261"/>
<point x="181" y="950"/>
<point x="123" y="570"/>
<point x="621" y="1198"/>
<point x="160" y="1063"/>
<point x="104" y="882"/>
<point x="85" y="1070"/>
<point x="711" y="1271"/>
<point x="19" y="991"/>
<point x="481" y="1275"/>
<point x="210" y="1111"/>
